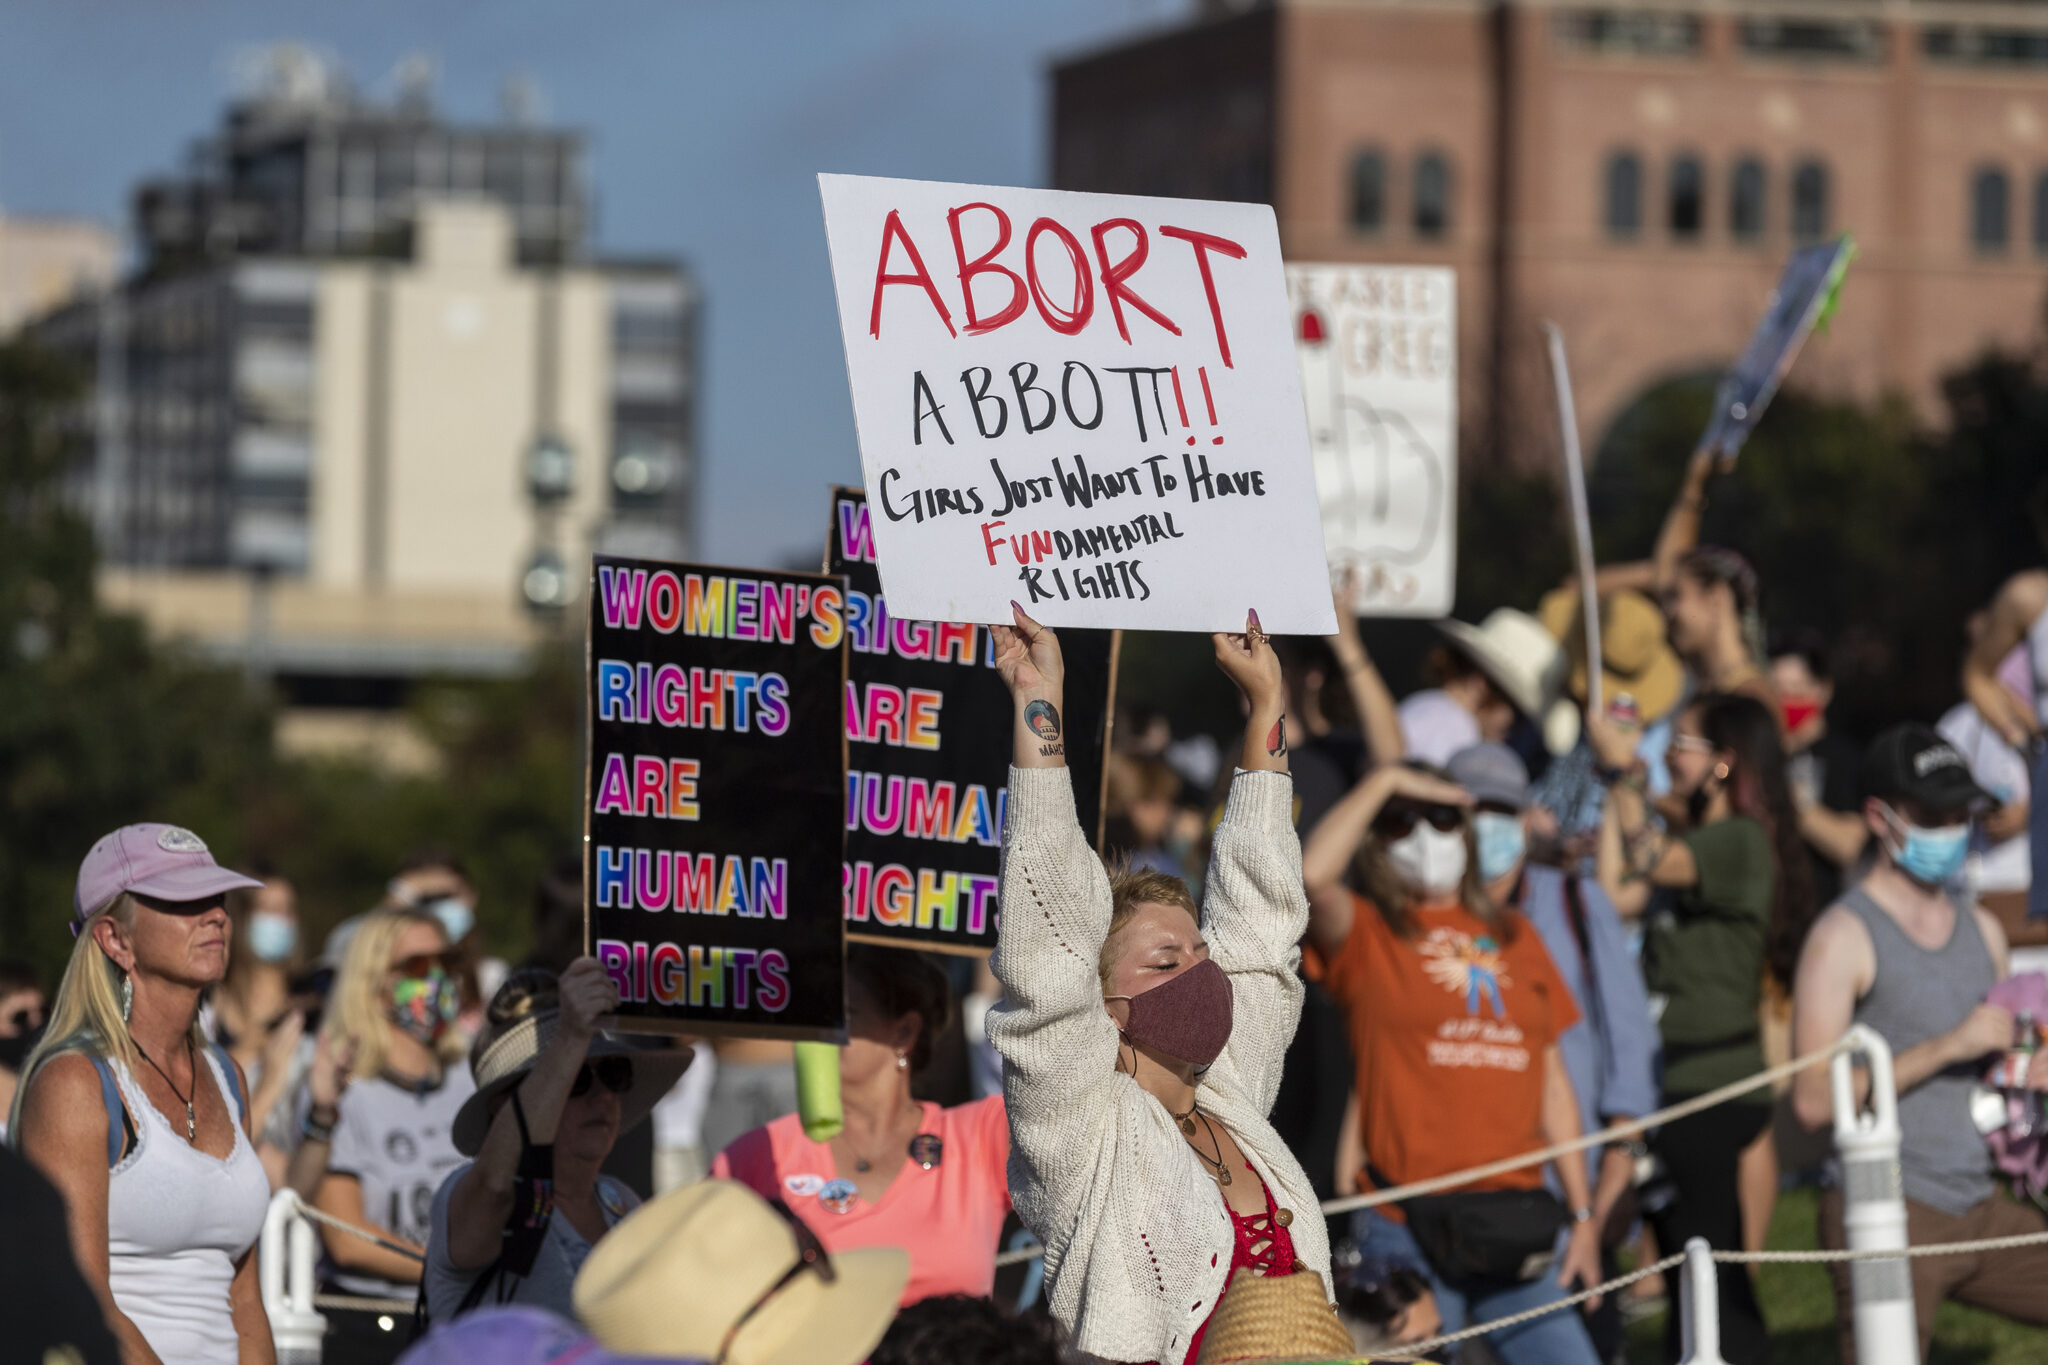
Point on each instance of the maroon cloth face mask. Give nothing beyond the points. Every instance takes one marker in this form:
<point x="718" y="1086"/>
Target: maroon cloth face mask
<point x="1188" y="1018"/>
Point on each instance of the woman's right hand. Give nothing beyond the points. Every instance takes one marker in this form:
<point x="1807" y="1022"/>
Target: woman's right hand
<point x="1028" y="657"/>
<point x="587" y="993"/>
<point x="1614" y="743"/>
<point x="329" y="1074"/>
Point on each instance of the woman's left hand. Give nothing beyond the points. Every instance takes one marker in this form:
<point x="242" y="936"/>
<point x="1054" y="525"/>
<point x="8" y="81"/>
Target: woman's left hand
<point x="1581" y="1261"/>
<point x="1249" y="661"/>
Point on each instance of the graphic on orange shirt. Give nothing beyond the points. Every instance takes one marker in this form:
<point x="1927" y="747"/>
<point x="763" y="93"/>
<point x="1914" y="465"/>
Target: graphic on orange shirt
<point x="1463" y="964"/>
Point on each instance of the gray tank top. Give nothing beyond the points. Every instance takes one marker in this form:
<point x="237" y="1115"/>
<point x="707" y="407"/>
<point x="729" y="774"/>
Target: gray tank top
<point x="1916" y="995"/>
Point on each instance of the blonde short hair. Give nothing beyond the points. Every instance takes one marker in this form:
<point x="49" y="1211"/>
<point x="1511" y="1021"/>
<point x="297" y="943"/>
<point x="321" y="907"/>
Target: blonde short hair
<point x="1130" y="887"/>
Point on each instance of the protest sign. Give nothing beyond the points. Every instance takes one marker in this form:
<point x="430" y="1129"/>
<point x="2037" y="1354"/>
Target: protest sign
<point x="928" y="735"/>
<point x="713" y="801"/>
<point x="1805" y="293"/>
<point x="1084" y="403"/>
<point x="1378" y="349"/>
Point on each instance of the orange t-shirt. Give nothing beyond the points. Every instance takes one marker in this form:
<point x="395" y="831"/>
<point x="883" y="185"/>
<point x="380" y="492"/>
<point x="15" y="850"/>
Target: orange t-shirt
<point x="1448" y="1028"/>
<point x="949" y="1218"/>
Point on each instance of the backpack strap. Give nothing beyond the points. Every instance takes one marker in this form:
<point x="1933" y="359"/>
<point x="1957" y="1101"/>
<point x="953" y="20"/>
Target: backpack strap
<point x="119" y="1126"/>
<point x="234" y="1080"/>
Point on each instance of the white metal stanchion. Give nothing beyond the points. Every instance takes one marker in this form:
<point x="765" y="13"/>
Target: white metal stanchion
<point x="1699" y="1306"/>
<point x="1874" y="1205"/>
<point x="285" y="1259"/>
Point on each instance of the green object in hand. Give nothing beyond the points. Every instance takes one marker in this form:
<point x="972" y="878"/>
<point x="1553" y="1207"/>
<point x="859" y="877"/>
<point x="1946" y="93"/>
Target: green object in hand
<point x="817" y="1091"/>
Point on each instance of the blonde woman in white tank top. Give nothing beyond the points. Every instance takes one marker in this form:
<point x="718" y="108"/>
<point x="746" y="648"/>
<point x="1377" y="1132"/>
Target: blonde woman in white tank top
<point x="138" y="1121"/>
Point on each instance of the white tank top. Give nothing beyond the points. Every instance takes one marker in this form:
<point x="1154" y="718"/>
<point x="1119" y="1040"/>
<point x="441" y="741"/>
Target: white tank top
<point x="2037" y="655"/>
<point x="177" y="1221"/>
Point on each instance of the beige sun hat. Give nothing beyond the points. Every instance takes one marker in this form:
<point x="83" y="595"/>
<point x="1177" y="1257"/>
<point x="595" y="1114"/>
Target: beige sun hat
<point x="657" y="1066"/>
<point x="677" y="1273"/>
<point x="1523" y="660"/>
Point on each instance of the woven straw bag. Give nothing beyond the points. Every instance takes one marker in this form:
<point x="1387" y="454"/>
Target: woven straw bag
<point x="1280" y="1318"/>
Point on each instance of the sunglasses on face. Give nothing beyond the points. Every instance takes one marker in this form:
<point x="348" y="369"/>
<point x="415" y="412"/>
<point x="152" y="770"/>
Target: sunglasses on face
<point x="613" y="1073"/>
<point x="25" y="1021"/>
<point x="1397" y="822"/>
<point x="810" y="1255"/>
<point x="421" y="965"/>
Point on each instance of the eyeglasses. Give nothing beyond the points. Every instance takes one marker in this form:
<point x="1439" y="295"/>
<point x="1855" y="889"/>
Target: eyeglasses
<point x="1397" y="822"/>
<point x="420" y="965"/>
<point x="613" y="1073"/>
<point x="810" y="1255"/>
<point x="1692" y="744"/>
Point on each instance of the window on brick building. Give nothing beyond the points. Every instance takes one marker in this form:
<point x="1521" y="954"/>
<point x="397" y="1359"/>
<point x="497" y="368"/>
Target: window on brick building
<point x="1746" y="200"/>
<point x="1624" y="209"/>
<point x="1432" y="195"/>
<point x="1990" y="209"/>
<point x="1369" y="190"/>
<point x="1687" y="192"/>
<point x="2041" y="213"/>
<point x="1809" y="201"/>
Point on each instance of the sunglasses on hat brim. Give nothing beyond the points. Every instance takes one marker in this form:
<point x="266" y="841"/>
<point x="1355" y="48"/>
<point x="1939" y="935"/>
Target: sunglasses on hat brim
<point x="810" y="1255"/>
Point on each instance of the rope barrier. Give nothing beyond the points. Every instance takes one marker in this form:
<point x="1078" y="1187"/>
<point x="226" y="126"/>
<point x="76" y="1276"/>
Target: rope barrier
<point x="358" y="1304"/>
<point x="2024" y="1239"/>
<point x="307" y="1211"/>
<point x="1409" y="1352"/>
<point x="1613" y="1133"/>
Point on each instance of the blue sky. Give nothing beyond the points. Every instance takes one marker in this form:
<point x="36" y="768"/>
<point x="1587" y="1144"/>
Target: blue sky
<point x="708" y="120"/>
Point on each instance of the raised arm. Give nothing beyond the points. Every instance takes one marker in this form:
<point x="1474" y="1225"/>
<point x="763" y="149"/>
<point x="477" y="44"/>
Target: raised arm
<point x="1334" y="842"/>
<point x="1050" y="1026"/>
<point x="1633" y="854"/>
<point x="2013" y="612"/>
<point x="482" y="1199"/>
<point x="1378" y="717"/>
<point x="1680" y="534"/>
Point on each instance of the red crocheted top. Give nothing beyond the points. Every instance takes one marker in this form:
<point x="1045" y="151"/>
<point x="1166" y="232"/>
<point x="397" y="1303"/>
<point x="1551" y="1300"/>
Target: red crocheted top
<point x="1263" y="1244"/>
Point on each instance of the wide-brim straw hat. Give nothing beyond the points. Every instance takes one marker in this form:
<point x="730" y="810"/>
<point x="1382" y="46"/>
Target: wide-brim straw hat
<point x="657" y="1066"/>
<point x="1278" y="1318"/>
<point x="1521" y="658"/>
<point x="675" y="1274"/>
<point x="1636" y="657"/>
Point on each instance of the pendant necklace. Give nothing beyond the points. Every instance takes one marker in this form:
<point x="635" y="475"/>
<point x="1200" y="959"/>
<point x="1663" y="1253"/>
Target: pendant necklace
<point x="1218" y="1167"/>
<point x="191" y="1123"/>
<point x="1187" y="1120"/>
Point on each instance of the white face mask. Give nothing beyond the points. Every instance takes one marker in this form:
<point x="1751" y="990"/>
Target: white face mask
<point x="1429" y="859"/>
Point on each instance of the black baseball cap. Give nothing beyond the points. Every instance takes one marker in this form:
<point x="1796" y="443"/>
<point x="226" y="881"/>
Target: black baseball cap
<point x="1912" y="762"/>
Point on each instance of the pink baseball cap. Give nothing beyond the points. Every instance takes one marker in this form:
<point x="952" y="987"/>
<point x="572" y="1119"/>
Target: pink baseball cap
<point x="163" y="861"/>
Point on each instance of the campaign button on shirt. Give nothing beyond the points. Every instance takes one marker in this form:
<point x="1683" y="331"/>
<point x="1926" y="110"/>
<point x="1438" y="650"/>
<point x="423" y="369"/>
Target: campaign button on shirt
<point x="840" y="1196"/>
<point x="804" y="1185"/>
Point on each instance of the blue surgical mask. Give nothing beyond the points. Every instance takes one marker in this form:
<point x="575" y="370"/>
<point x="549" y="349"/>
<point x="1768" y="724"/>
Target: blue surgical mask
<point x="1501" y="843"/>
<point x="457" y="919"/>
<point x="272" y="937"/>
<point x="1932" y="857"/>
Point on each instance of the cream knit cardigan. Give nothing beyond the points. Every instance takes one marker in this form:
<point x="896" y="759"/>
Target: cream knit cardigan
<point x="1137" y="1239"/>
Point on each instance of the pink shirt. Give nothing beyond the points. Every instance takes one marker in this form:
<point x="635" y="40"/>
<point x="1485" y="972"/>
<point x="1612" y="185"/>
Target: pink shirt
<point x="949" y="1218"/>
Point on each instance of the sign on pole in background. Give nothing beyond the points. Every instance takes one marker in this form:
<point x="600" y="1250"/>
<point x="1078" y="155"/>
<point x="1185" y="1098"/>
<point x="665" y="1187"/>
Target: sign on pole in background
<point x="1806" y="292"/>
<point x="715" y="797"/>
<point x="1378" y="348"/>
<point x="928" y="736"/>
<point x="1084" y="403"/>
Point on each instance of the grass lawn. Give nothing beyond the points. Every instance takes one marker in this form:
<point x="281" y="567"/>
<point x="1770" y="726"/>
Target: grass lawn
<point x="1799" y="1306"/>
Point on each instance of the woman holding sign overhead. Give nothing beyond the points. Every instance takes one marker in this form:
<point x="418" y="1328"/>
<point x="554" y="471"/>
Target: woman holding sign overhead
<point x="1142" y="1039"/>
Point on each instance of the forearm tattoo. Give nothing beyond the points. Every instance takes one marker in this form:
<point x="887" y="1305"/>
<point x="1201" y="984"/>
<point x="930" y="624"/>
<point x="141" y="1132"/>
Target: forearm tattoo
<point x="1042" y="718"/>
<point x="1276" y="738"/>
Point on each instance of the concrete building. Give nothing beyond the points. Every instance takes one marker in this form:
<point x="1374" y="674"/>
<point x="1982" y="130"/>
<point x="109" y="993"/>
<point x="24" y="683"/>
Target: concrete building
<point x="353" y="439"/>
<point x="47" y="262"/>
<point x="1635" y="171"/>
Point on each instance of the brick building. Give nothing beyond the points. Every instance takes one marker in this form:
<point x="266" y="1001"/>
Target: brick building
<point x="1635" y="172"/>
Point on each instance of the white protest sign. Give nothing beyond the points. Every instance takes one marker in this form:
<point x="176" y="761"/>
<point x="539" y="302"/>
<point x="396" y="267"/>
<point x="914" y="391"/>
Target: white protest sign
<point x="1379" y="369"/>
<point x="1085" y="403"/>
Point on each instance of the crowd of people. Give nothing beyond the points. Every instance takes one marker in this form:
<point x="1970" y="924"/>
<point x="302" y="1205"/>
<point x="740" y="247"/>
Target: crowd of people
<point x="1374" y="942"/>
